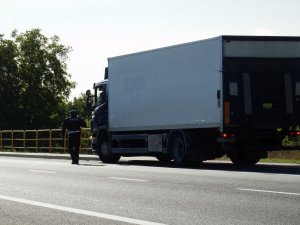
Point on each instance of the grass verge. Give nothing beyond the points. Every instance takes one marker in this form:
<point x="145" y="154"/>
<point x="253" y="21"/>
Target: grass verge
<point x="277" y="160"/>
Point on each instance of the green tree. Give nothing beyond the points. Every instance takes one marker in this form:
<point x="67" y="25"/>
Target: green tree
<point x="35" y="84"/>
<point x="9" y="83"/>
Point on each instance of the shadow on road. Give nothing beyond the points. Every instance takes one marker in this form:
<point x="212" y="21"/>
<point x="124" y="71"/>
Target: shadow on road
<point x="219" y="165"/>
<point x="86" y="164"/>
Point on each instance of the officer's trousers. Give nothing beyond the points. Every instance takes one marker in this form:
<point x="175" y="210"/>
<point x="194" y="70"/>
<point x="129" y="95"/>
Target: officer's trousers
<point x="73" y="146"/>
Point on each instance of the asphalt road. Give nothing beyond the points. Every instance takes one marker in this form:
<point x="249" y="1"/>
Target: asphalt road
<point x="143" y="191"/>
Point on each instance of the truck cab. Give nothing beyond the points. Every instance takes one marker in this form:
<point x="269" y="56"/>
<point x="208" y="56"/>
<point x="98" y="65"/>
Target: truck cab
<point x="99" y="105"/>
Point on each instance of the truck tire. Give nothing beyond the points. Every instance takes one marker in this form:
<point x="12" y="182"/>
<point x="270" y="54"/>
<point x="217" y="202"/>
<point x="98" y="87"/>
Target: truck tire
<point x="245" y="157"/>
<point x="105" y="155"/>
<point x="163" y="157"/>
<point x="179" y="150"/>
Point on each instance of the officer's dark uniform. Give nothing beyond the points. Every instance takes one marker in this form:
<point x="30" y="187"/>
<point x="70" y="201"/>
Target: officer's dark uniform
<point x="72" y="124"/>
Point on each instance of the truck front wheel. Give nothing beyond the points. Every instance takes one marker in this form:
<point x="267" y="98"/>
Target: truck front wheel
<point x="105" y="154"/>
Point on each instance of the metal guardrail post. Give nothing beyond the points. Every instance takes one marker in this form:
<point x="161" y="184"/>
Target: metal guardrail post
<point x="12" y="138"/>
<point x="36" y="140"/>
<point x="65" y="142"/>
<point x="50" y="140"/>
<point x="24" y="140"/>
<point x="0" y="139"/>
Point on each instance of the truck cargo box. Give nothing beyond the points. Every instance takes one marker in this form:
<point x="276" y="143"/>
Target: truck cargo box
<point x="168" y="88"/>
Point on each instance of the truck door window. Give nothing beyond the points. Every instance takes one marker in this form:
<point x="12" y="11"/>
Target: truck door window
<point x="297" y="89"/>
<point x="100" y="98"/>
<point x="233" y="88"/>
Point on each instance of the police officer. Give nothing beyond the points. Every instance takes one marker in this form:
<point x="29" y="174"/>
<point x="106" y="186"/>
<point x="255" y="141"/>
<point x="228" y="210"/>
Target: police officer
<point x="73" y="124"/>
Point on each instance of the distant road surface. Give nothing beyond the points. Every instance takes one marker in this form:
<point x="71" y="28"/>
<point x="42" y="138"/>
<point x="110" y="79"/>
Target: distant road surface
<point x="139" y="191"/>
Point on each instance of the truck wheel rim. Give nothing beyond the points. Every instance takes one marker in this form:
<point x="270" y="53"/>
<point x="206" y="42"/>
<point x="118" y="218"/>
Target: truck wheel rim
<point x="179" y="149"/>
<point x="104" y="148"/>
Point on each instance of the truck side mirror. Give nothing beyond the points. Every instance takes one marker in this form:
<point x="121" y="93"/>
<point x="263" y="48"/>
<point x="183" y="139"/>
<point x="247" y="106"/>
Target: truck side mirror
<point x="88" y="100"/>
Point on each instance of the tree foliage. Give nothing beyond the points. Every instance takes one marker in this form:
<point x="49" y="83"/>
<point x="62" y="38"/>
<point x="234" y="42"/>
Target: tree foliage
<point x="79" y="103"/>
<point x="34" y="83"/>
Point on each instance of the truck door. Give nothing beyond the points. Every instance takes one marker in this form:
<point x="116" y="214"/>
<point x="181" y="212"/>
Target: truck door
<point x="268" y="93"/>
<point x="263" y="93"/>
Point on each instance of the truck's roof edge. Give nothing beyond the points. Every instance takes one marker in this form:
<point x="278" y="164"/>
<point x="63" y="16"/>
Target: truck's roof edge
<point x="221" y="37"/>
<point x="166" y="47"/>
<point x="259" y="38"/>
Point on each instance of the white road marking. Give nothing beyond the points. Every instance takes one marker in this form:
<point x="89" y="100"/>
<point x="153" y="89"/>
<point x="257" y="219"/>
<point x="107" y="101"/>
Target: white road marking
<point x="40" y="171"/>
<point x="130" y="179"/>
<point x="79" y="211"/>
<point x="266" y="191"/>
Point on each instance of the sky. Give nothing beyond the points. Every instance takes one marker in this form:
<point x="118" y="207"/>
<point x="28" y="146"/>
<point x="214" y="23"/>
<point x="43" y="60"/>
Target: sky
<point x="99" y="29"/>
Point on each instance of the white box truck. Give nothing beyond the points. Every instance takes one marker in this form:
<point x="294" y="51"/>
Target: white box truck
<point x="230" y="95"/>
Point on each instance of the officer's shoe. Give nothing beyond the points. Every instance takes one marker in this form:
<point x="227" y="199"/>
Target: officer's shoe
<point x="76" y="162"/>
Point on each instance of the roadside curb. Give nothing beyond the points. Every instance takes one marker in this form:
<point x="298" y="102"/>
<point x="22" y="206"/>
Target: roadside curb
<point x="47" y="155"/>
<point x="96" y="158"/>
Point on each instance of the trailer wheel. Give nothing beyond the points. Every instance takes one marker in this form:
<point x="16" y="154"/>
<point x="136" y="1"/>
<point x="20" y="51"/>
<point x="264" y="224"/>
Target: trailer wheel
<point x="179" y="150"/>
<point x="245" y="157"/>
<point x="105" y="154"/>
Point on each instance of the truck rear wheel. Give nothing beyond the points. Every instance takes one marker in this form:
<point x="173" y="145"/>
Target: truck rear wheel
<point x="105" y="154"/>
<point x="179" y="150"/>
<point x="163" y="157"/>
<point x="245" y="157"/>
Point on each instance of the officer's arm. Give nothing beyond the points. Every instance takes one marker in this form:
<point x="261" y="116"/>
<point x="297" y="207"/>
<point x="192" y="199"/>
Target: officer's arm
<point x="82" y="122"/>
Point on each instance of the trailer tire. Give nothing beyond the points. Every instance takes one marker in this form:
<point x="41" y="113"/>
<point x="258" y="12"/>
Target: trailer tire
<point x="105" y="154"/>
<point x="179" y="149"/>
